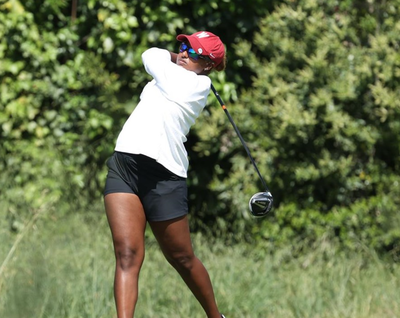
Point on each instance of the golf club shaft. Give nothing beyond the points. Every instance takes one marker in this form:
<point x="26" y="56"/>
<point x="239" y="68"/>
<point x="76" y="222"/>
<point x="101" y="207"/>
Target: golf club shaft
<point x="239" y="135"/>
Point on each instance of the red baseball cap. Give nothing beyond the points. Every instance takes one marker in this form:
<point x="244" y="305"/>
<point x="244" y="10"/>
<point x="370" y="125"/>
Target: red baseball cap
<point x="205" y="43"/>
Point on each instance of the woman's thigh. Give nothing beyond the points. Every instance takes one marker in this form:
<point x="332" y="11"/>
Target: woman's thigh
<point x="127" y="222"/>
<point x="173" y="237"/>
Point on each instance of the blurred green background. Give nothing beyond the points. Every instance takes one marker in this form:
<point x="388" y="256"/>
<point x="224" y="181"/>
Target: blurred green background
<point x="314" y="88"/>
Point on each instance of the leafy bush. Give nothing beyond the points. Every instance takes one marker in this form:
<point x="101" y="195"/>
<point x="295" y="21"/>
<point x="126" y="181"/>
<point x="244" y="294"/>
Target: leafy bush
<point x="312" y="85"/>
<point x="322" y="119"/>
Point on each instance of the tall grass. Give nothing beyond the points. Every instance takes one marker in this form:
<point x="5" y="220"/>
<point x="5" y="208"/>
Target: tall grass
<point x="64" y="268"/>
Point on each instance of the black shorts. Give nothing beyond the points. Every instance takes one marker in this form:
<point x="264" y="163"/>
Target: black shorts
<point x="162" y="193"/>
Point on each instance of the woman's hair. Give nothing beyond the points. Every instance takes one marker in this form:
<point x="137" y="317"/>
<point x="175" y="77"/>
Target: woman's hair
<point x="221" y="66"/>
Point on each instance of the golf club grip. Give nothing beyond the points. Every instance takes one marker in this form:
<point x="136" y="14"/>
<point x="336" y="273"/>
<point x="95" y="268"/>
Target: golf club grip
<point x="239" y="135"/>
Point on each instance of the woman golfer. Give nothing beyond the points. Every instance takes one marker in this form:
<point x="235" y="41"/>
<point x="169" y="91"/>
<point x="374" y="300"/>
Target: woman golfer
<point x="146" y="180"/>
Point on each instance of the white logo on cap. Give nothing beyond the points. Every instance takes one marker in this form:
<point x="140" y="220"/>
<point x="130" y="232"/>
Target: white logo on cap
<point x="200" y="50"/>
<point x="203" y="35"/>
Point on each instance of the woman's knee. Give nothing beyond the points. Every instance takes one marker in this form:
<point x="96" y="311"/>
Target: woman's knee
<point x="129" y="258"/>
<point x="182" y="261"/>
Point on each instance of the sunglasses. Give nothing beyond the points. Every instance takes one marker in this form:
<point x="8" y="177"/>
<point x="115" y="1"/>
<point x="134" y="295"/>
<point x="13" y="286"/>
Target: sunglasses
<point x="192" y="53"/>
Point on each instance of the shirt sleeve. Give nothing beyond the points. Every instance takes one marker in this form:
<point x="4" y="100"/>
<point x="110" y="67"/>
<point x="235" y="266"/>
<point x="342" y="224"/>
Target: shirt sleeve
<point x="174" y="81"/>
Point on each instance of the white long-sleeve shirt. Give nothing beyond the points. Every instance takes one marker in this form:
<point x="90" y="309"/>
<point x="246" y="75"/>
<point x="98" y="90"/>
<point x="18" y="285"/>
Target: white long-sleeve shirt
<point x="168" y="107"/>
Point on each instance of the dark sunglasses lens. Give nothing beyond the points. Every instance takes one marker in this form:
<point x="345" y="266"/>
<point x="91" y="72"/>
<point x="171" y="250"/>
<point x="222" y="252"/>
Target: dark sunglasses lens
<point x="183" y="47"/>
<point x="192" y="54"/>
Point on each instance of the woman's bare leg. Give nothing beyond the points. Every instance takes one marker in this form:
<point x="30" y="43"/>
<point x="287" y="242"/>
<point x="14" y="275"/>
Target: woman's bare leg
<point x="127" y="222"/>
<point x="175" y="242"/>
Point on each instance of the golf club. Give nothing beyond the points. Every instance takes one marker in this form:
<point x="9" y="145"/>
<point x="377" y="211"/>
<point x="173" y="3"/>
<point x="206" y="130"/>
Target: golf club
<point x="260" y="203"/>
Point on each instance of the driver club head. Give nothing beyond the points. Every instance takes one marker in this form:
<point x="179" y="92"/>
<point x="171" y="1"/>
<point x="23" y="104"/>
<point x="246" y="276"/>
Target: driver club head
<point x="261" y="203"/>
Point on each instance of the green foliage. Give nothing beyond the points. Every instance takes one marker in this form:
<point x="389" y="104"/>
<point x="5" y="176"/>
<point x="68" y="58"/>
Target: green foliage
<point x="53" y="102"/>
<point x="322" y="119"/>
<point x="312" y="85"/>
<point x="70" y="74"/>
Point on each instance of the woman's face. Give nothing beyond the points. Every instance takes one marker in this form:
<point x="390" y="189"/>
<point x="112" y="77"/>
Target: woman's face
<point x="186" y="60"/>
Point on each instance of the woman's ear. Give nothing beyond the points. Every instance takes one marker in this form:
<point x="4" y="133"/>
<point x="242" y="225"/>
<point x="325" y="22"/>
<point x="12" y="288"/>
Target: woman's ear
<point x="208" y="67"/>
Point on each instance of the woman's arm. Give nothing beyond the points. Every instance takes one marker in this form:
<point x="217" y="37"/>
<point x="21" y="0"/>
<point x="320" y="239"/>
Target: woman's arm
<point x="174" y="81"/>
